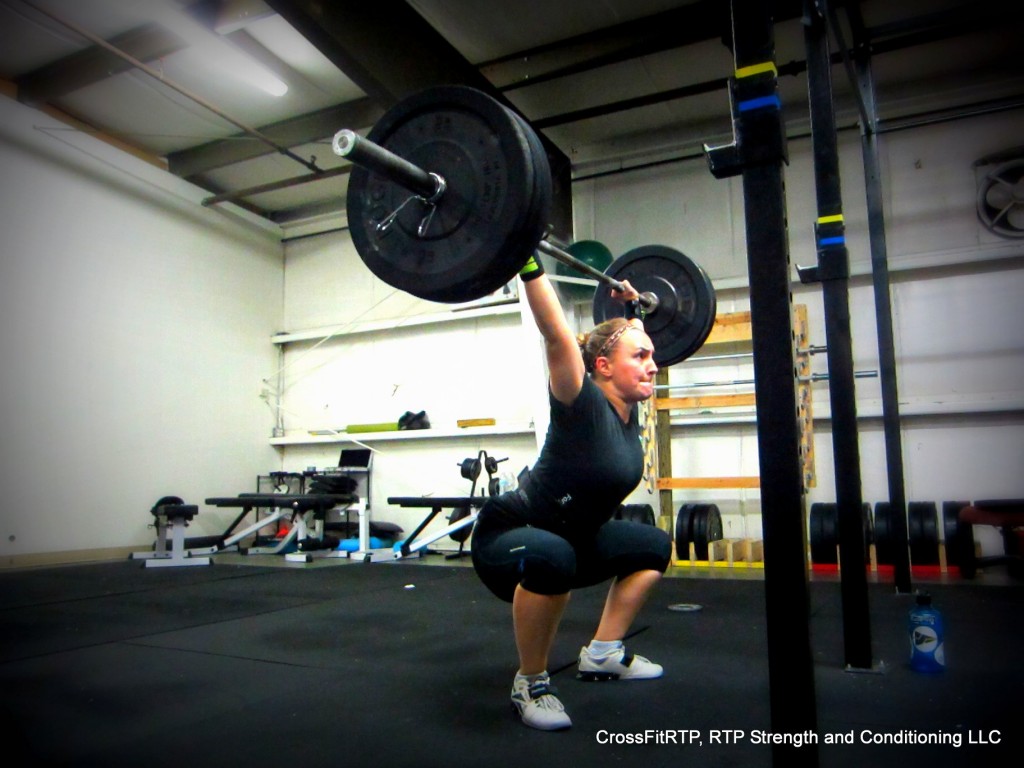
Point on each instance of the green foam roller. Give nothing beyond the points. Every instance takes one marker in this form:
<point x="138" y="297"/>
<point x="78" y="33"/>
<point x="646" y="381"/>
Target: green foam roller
<point x="389" y="426"/>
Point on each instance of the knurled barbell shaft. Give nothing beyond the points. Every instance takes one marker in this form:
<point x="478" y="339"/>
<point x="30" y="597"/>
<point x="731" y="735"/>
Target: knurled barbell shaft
<point x="648" y="300"/>
<point x="430" y="186"/>
<point x="567" y="258"/>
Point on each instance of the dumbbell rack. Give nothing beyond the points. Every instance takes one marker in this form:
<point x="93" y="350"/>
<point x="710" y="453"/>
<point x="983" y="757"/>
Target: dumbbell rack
<point x="731" y="328"/>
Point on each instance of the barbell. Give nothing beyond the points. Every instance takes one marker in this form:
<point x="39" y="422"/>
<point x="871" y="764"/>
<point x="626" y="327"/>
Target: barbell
<point x="450" y="194"/>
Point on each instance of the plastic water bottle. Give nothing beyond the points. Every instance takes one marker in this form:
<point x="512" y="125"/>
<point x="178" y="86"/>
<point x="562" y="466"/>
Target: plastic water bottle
<point x="927" y="636"/>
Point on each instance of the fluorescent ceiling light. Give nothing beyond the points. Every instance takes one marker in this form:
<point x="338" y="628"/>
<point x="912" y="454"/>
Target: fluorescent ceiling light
<point x="222" y="56"/>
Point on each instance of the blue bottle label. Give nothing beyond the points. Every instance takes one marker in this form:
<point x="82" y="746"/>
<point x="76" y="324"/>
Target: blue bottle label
<point x="926" y="647"/>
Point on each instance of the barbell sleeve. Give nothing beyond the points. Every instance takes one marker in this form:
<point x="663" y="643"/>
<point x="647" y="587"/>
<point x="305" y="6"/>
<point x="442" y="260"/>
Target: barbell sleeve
<point x="364" y="153"/>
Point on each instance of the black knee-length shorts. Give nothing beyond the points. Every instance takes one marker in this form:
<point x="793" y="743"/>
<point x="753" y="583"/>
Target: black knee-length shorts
<point x="547" y="563"/>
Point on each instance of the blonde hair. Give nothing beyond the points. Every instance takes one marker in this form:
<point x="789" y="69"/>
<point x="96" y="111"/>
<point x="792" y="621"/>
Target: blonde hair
<point x="601" y="340"/>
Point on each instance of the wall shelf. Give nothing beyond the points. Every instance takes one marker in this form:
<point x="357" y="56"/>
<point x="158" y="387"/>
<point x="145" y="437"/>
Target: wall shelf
<point x="305" y="438"/>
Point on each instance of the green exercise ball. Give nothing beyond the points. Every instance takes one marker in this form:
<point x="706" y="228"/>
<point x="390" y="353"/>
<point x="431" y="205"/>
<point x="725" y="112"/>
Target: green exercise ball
<point x="591" y="253"/>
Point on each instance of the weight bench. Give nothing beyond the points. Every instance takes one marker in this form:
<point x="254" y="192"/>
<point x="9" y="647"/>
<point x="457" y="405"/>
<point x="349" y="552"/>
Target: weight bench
<point x="296" y="506"/>
<point x="411" y="546"/>
<point x="171" y="518"/>
<point x="1005" y="514"/>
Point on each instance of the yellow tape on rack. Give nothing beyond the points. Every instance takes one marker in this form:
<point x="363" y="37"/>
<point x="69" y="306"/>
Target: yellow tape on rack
<point x="757" y="69"/>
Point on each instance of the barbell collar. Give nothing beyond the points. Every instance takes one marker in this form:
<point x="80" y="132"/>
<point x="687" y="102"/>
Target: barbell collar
<point x="364" y="153"/>
<point x="649" y="301"/>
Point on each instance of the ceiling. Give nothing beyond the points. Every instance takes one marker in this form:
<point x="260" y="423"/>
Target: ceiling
<point x="607" y="83"/>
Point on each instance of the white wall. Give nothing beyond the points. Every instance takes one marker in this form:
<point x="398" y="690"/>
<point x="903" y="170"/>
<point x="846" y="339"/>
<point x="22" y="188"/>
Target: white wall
<point x="928" y="182"/>
<point x="955" y="300"/>
<point x="134" y="329"/>
<point x="455" y="370"/>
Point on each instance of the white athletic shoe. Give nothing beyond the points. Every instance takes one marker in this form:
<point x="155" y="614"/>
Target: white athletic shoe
<point x="537" y="706"/>
<point x="618" y="665"/>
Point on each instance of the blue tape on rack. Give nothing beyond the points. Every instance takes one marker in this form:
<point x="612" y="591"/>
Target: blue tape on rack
<point x="832" y="240"/>
<point x="759" y="103"/>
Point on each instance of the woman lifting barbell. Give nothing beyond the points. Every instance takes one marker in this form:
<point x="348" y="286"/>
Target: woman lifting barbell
<point x="532" y="546"/>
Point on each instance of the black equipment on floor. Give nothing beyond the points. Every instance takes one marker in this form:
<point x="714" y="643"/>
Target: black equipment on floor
<point x="464" y="508"/>
<point x="171" y="516"/>
<point x="294" y="506"/>
<point x="697" y="524"/>
<point x="436" y="504"/>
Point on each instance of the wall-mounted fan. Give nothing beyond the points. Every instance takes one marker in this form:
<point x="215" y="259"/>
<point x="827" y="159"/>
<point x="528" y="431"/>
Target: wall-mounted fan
<point x="1001" y="199"/>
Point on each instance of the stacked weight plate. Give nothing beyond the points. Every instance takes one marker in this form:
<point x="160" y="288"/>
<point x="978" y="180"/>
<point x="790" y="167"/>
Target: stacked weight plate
<point x="700" y="524"/>
<point x="494" y="209"/>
